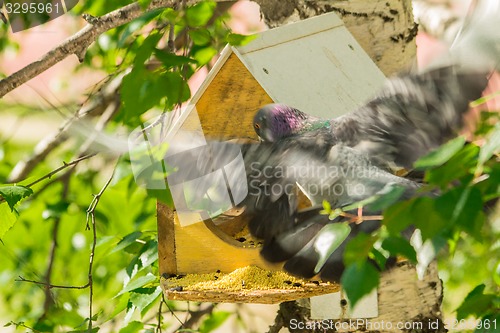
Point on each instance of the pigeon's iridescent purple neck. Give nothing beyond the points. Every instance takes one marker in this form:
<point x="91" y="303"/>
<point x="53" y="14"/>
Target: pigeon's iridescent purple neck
<point x="276" y="121"/>
<point x="287" y="121"/>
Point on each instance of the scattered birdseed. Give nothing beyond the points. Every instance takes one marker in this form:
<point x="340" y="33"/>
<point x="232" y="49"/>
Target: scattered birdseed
<point x="250" y="277"/>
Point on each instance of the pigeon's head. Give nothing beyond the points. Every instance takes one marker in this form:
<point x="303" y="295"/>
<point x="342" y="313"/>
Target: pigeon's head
<point x="277" y="121"/>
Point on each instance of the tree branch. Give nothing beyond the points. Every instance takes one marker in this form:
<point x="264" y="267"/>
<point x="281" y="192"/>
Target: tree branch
<point x="79" y="42"/>
<point x="64" y="166"/>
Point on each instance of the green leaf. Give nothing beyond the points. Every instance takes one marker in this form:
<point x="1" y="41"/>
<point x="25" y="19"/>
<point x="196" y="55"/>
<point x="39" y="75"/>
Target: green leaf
<point x="127" y="241"/>
<point x="123" y="303"/>
<point x="199" y="14"/>
<point x="239" y="40"/>
<point x="441" y="154"/>
<point x="142" y="298"/>
<point x="14" y="193"/>
<point x="358" y="280"/>
<point x="149" y="253"/>
<point x="138" y="283"/>
<point x="134" y="26"/>
<point x="200" y="36"/>
<point x="386" y="197"/>
<point x="358" y="248"/>
<point x="491" y="146"/>
<point x="204" y="55"/>
<point x="144" y="4"/>
<point x="427" y="218"/>
<point x="379" y="257"/>
<point x="132" y="327"/>
<point x="170" y="60"/>
<point x="327" y="208"/>
<point x="458" y="166"/>
<point x="475" y="304"/>
<point x="398" y="217"/>
<point x="7" y="219"/>
<point x="175" y="87"/>
<point x="488" y="120"/>
<point x="468" y="211"/>
<point x="147" y="48"/>
<point x="328" y="240"/>
<point x="398" y="245"/>
<point x="213" y="321"/>
<point x="140" y="91"/>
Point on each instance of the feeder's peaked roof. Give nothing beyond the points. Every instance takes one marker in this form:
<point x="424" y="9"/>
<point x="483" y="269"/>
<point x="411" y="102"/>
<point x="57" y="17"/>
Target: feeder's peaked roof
<point x="315" y="65"/>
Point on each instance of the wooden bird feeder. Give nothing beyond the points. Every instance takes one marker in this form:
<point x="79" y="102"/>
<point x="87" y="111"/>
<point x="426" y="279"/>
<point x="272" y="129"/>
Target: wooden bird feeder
<point x="315" y="65"/>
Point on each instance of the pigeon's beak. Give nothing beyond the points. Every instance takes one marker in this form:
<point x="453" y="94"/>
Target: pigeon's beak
<point x="267" y="134"/>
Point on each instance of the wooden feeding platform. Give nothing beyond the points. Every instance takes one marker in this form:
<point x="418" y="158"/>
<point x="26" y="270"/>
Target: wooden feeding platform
<point x="248" y="284"/>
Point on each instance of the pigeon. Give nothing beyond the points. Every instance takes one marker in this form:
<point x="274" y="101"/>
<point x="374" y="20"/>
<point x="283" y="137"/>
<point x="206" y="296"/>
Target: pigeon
<point x="340" y="161"/>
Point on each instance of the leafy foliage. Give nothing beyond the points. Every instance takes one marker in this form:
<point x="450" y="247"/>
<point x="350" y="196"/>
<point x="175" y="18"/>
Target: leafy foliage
<point x="457" y="209"/>
<point x="49" y="239"/>
<point x="44" y="228"/>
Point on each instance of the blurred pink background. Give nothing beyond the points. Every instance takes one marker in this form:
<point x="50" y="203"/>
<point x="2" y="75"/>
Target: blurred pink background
<point x="60" y="85"/>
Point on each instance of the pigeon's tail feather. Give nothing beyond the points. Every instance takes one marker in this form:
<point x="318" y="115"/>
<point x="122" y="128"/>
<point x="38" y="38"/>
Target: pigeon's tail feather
<point x="412" y="115"/>
<point x="416" y="113"/>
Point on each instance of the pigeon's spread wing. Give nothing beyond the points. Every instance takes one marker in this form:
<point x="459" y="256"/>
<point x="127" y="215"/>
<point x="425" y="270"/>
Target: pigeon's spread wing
<point x="412" y="115"/>
<point x="262" y="177"/>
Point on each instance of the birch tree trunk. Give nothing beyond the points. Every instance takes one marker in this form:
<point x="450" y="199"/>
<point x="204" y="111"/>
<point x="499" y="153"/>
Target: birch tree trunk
<point x="384" y="28"/>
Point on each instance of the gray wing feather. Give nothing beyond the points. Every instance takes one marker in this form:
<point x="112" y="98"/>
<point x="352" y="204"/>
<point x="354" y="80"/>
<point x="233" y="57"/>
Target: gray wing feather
<point x="412" y="115"/>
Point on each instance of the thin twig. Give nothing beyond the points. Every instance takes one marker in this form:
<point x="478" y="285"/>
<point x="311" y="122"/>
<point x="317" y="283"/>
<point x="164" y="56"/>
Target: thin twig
<point x="25" y="326"/>
<point x="173" y="314"/>
<point x="64" y="166"/>
<point x="160" y="317"/>
<point x="361" y="218"/>
<point x="195" y="316"/>
<point x="91" y="218"/>
<point x="53" y="172"/>
<point x="49" y="299"/>
<point x="50" y="286"/>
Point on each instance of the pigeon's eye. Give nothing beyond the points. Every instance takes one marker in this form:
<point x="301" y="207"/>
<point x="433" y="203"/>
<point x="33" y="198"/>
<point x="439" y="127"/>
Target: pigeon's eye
<point x="257" y="126"/>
